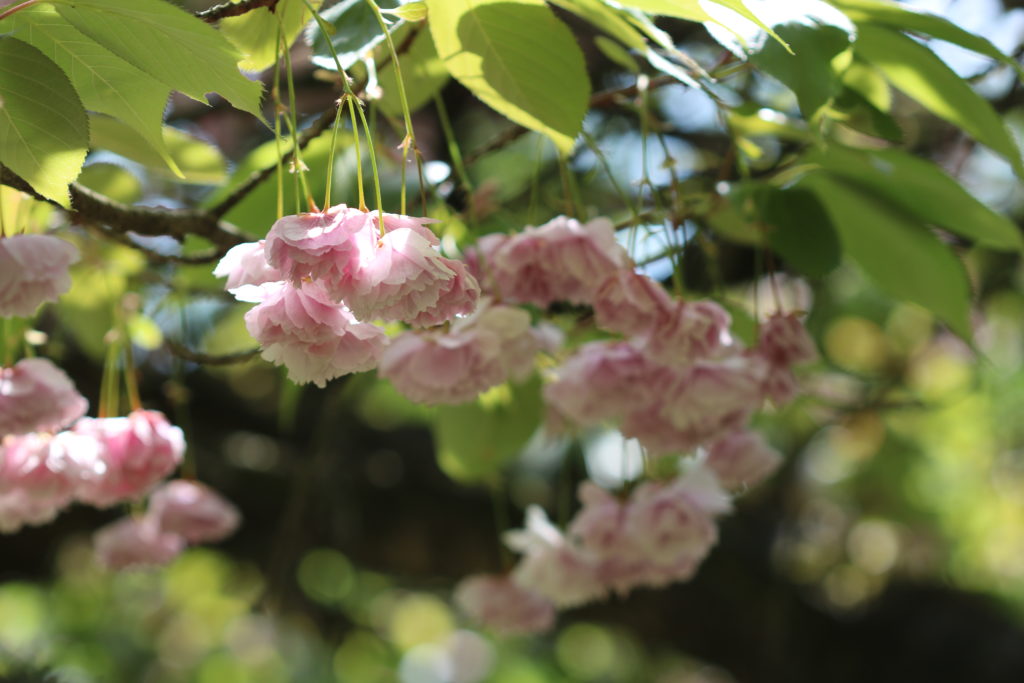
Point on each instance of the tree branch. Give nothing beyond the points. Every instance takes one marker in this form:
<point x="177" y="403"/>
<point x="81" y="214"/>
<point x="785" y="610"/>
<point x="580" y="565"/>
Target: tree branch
<point x="233" y="9"/>
<point x="92" y="207"/>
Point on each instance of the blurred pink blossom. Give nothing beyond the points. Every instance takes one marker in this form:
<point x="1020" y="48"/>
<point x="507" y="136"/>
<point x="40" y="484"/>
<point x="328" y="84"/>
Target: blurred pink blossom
<point x="741" y="459"/>
<point x="630" y="303"/>
<point x="687" y="332"/>
<point x="135" y="542"/>
<point x="33" y="270"/>
<point x="503" y="606"/>
<point x="37" y="396"/>
<point x="193" y="510"/>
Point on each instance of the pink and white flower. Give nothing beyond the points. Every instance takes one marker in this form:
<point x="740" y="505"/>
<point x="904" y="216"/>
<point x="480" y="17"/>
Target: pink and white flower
<point x="37" y="396"/>
<point x="33" y="270"/>
<point x="783" y="340"/>
<point x="458" y="296"/>
<point x="630" y="303"/>
<point x="135" y="542"/>
<point x="135" y="452"/>
<point x="246" y="264"/>
<point x="742" y="459"/>
<point x="687" y="332"/>
<point x="503" y="606"/>
<point x="316" y="245"/>
<point x="561" y="260"/>
<point x="193" y="511"/>
<point x="316" y="340"/>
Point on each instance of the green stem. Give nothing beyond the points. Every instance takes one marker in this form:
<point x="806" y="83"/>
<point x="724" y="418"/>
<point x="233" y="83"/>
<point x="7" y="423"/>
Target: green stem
<point x="453" y="144"/>
<point x="410" y="135"/>
<point x="275" y="93"/>
<point x="359" y="154"/>
<point x="330" y="156"/>
<point x="131" y="381"/>
<point x="293" y="126"/>
<point x="110" y="395"/>
<point x="592" y="144"/>
<point x="8" y="12"/>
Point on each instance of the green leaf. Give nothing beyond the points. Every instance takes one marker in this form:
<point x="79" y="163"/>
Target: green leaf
<point x="519" y="59"/>
<point x="198" y="161"/>
<point x="254" y="33"/>
<point x="899" y="254"/>
<point x="809" y="72"/>
<point x="921" y="75"/>
<point x="618" y="54"/>
<point x="422" y="71"/>
<point x="607" y="19"/>
<point x="106" y="83"/>
<point x="924" y="190"/>
<point x="690" y="10"/>
<point x="801" y="231"/>
<point x="356" y="33"/>
<point x="44" y="132"/>
<point x="166" y="42"/>
<point x="112" y="181"/>
<point x="912" y="19"/>
<point x="740" y="8"/>
<point x="474" y="440"/>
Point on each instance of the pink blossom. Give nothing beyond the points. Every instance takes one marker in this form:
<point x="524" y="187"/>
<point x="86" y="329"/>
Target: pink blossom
<point x="630" y="303"/>
<point x="33" y="269"/>
<point x="551" y="566"/>
<point x="317" y="245"/>
<point x="193" y="511"/>
<point x="708" y="399"/>
<point x="561" y="260"/>
<point x="397" y="277"/>
<point x="37" y="396"/>
<point x="458" y="296"/>
<point x="783" y="340"/>
<point x="503" y="606"/>
<point x="689" y="331"/>
<point x="443" y="367"/>
<point x="136" y="452"/>
<point x="39" y="474"/>
<point x="742" y="459"/>
<point x="478" y="260"/>
<point x="519" y="342"/>
<point x="780" y="384"/>
<point x="314" y="339"/>
<point x="246" y="264"/>
<point x="135" y="542"/>
<point x="599" y="526"/>
<point x="604" y="380"/>
<point x="675" y="520"/>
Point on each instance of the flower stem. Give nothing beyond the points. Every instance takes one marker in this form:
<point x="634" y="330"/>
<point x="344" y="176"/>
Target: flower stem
<point x="275" y="93"/>
<point x="293" y="123"/>
<point x="453" y="144"/>
<point x="330" y="156"/>
<point x="11" y="10"/>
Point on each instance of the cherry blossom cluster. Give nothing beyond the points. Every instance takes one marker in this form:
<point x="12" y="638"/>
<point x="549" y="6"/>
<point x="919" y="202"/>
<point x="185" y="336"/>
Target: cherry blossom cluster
<point x="180" y="512"/>
<point x="320" y="280"/>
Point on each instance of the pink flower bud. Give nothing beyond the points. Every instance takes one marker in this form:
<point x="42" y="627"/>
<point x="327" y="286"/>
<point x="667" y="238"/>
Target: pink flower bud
<point x="33" y="269"/>
<point x="37" y="396"/>
<point x="503" y="606"/>
<point x="194" y="511"/>
<point x="742" y="459"/>
<point x="314" y="339"/>
<point x="136" y="452"/>
<point x="561" y="260"/>
<point x="246" y="264"/>
<point x="135" y="542"/>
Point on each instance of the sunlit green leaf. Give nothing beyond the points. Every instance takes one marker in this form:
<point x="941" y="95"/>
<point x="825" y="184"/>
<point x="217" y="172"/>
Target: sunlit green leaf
<point x="356" y="32"/>
<point x="199" y="161"/>
<point x="255" y="33"/>
<point x="918" y="72"/>
<point x="902" y="257"/>
<point x="606" y="18"/>
<point x="171" y="45"/>
<point x="106" y="83"/>
<point x="44" y="132"/>
<point x="518" y="58"/>
<point x="111" y="181"/>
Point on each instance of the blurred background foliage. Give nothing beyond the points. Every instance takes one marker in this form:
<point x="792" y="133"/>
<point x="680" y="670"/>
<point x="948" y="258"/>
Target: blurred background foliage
<point x="889" y="548"/>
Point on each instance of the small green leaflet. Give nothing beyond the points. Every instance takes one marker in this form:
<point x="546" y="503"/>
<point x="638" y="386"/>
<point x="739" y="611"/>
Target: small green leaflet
<point x="899" y="254"/>
<point x="921" y="75"/>
<point x="255" y="32"/>
<point x="519" y="59"/>
<point x="44" y="133"/>
<point x="106" y="83"/>
<point x="199" y="162"/>
<point x="166" y="42"/>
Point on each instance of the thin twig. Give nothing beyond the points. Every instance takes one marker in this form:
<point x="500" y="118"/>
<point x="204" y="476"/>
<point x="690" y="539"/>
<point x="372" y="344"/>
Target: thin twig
<point x="209" y="359"/>
<point x="233" y="9"/>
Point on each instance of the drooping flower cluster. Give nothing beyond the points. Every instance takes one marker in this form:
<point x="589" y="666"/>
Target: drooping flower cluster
<point x="180" y="513"/>
<point x="320" y="279"/>
<point x="98" y="461"/>
<point x="33" y="270"/>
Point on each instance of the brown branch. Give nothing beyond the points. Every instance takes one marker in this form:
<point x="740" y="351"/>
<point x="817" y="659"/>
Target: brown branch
<point x="209" y="359"/>
<point x="91" y="207"/>
<point x="233" y="9"/>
